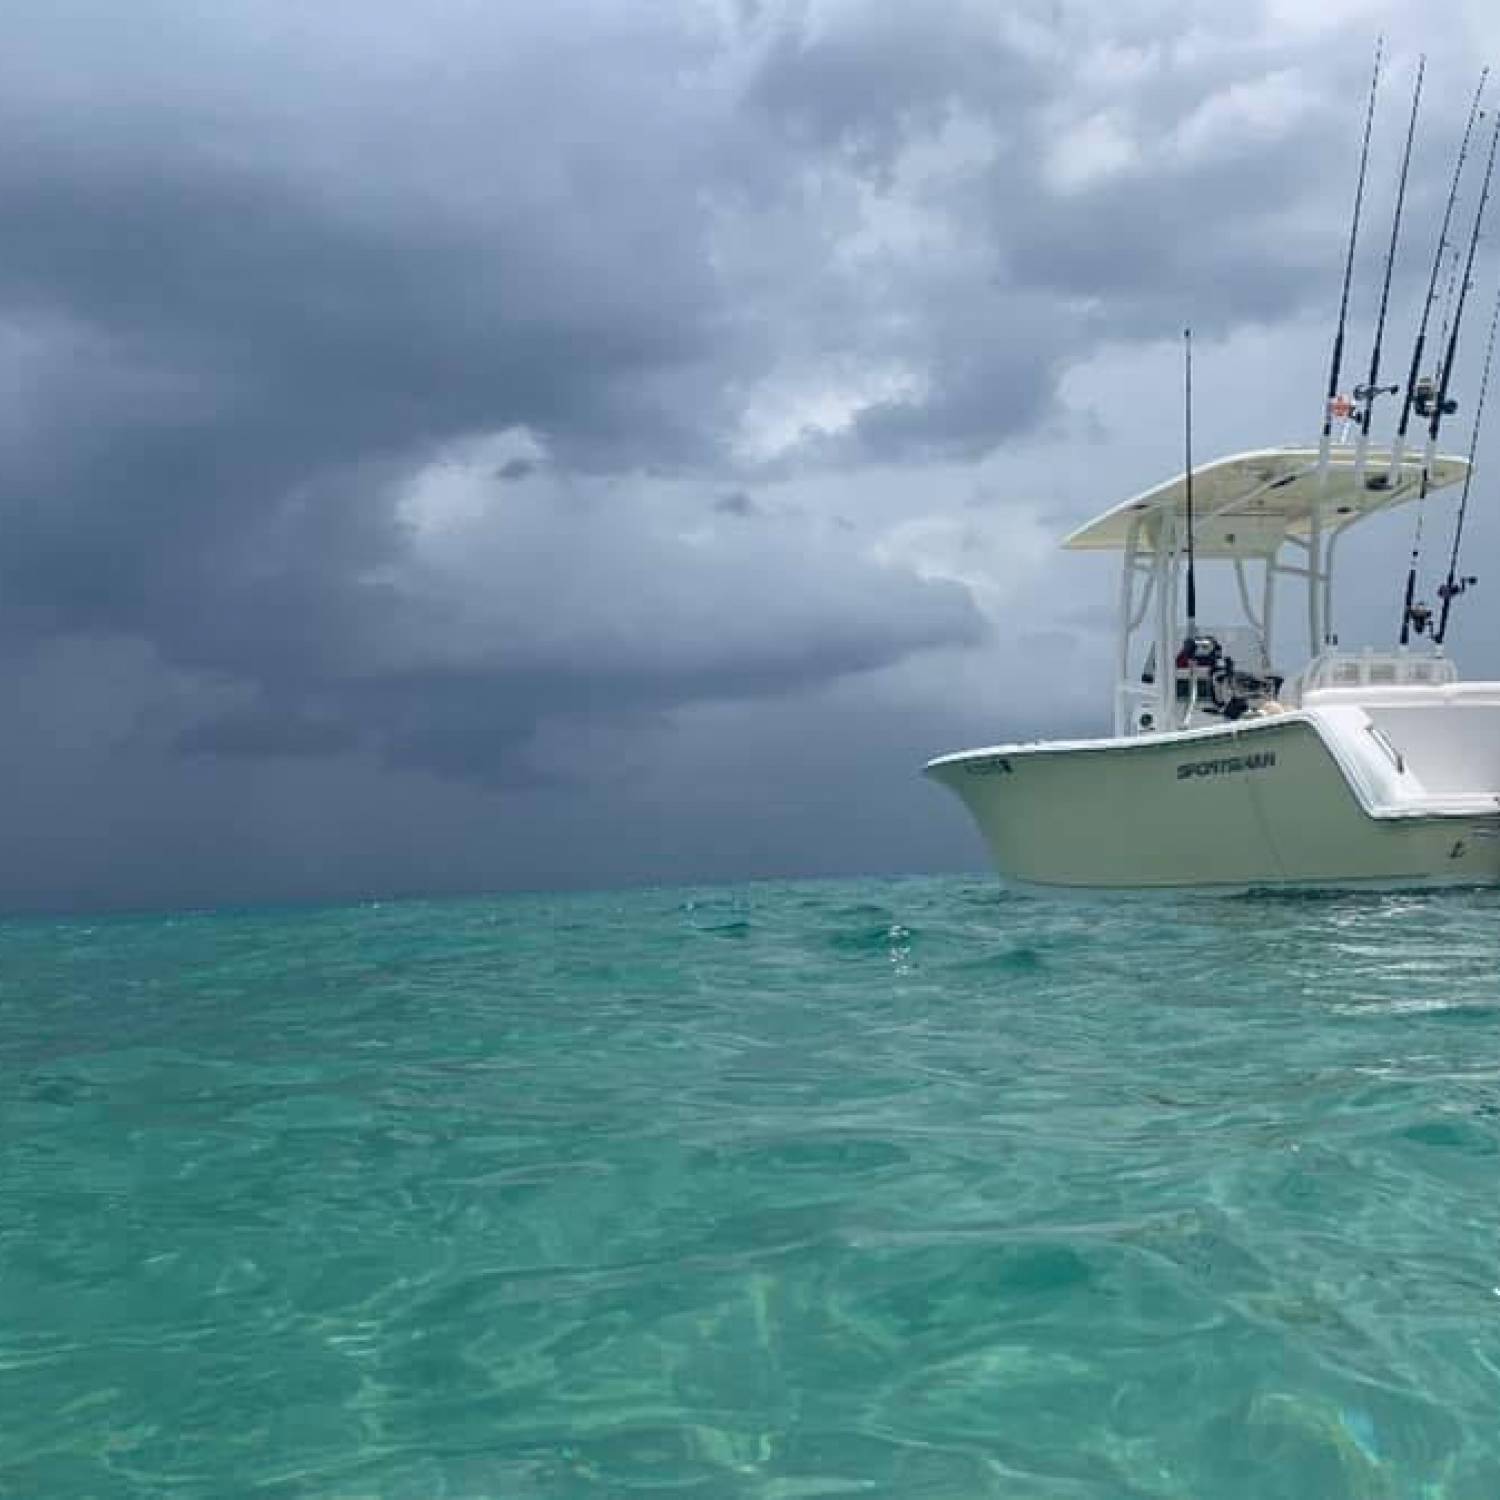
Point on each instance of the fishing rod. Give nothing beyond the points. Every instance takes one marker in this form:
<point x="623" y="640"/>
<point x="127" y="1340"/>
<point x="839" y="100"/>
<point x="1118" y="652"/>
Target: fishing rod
<point x="1338" y="339"/>
<point x="1454" y="586"/>
<point x="1450" y="297"/>
<point x="1417" y="616"/>
<point x="1415" y="372"/>
<point x="1372" y="387"/>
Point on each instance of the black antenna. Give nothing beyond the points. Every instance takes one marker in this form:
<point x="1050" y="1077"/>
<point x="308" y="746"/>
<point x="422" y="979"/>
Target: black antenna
<point x="1192" y="574"/>
<point x="1416" y="615"/>
<point x="1455" y="585"/>
<point x="1372" y="388"/>
<point x="1415" y="373"/>
<point x="1338" y="339"/>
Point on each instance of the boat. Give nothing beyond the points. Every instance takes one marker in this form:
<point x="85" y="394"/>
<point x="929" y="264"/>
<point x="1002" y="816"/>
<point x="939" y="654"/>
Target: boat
<point x="1370" y="767"/>
<point x="1364" y="768"/>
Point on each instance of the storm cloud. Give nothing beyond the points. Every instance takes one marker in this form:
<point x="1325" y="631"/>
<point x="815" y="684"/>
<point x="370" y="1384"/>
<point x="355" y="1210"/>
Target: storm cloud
<point x="503" y="445"/>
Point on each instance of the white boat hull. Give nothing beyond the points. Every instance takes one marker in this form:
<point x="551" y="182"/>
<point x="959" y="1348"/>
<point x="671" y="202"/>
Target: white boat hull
<point x="1315" y="798"/>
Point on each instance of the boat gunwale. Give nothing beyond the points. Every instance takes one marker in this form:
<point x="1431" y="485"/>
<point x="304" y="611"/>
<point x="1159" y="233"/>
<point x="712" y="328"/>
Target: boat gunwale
<point x="1482" y="806"/>
<point x="1143" y="741"/>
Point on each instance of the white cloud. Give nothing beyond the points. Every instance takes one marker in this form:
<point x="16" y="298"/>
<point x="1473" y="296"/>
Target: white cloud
<point x="795" y="408"/>
<point x="1098" y="148"/>
<point x="1244" y="116"/>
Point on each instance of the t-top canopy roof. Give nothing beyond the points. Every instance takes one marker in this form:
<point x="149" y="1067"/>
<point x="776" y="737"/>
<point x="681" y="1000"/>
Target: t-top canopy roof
<point x="1246" y="506"/>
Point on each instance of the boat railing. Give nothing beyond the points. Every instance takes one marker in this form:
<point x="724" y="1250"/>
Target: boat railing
<point x="1370" y="668"/>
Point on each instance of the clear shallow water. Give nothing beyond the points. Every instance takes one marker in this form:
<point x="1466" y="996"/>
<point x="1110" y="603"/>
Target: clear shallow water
<point x="879" y="1188"/>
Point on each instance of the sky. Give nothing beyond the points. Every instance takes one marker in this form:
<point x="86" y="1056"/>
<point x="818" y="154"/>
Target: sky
<point x="485" y="446"/>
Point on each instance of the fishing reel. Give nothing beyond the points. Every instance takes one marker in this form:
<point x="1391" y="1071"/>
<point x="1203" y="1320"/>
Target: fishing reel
<point x="1424" y="398"/>
<point x="1365" y="394"/>
<point x="1419" y="617"/>
<point x="1447" y="591"/>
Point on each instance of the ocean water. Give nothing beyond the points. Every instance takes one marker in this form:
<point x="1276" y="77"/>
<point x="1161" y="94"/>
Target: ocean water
<point x="884" y="1188"/>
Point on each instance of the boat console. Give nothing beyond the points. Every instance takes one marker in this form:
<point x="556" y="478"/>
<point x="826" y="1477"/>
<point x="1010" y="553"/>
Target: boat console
<point x="1275" y="517"/>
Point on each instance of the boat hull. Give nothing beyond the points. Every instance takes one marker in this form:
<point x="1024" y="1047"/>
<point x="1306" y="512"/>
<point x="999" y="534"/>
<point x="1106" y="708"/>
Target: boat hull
<point x="1268" y="802"/>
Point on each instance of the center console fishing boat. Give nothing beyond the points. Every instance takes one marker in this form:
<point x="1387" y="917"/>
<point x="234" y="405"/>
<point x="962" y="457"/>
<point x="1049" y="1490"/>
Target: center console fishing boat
<point x="1366" y="766"/>
<point x="1372" y="766"/>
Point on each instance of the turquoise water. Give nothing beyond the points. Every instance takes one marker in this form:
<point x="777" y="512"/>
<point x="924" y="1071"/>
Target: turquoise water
<point x="904" y="1188"/>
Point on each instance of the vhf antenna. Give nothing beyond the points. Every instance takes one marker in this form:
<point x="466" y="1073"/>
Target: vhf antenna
<point x="1192" y="574"/>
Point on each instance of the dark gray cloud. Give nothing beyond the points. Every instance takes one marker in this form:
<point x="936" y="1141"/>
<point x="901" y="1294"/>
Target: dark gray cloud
<point x="863" y="82"/>
<point x="388" y="396"/>
<point x="736" y="503"/>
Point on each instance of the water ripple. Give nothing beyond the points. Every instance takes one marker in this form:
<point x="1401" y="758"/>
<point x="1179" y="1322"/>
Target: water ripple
<point x="909" y="1188"/>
